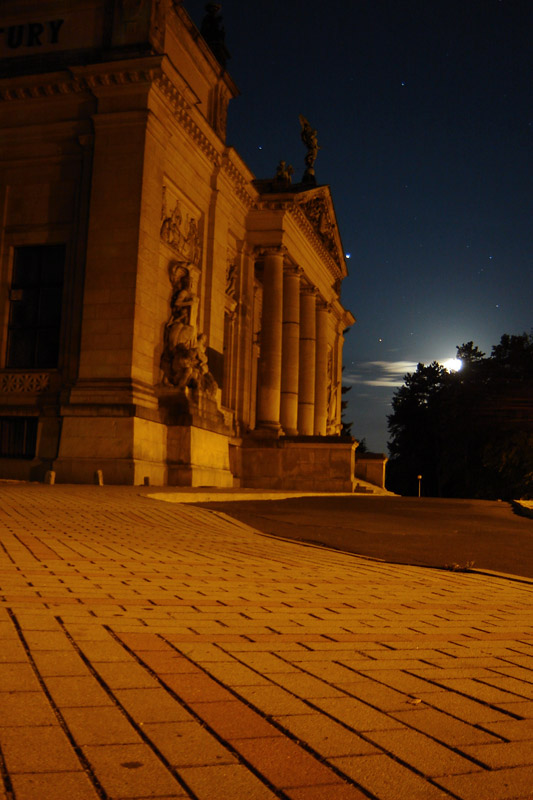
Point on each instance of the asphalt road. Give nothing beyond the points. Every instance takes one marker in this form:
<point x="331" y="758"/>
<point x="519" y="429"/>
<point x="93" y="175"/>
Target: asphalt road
<point x="430" y="532"/>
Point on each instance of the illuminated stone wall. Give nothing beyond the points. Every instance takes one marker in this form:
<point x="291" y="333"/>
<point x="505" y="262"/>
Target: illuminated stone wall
<point x="200" y="307"/>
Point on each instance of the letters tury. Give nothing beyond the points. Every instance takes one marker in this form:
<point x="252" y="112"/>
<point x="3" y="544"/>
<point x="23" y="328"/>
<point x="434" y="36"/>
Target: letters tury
<point x="32" y="34"/>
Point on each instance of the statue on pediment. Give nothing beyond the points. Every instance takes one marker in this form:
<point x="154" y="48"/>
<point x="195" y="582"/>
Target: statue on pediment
<point x="284" y="174"/>
<point x="310" y="139"/>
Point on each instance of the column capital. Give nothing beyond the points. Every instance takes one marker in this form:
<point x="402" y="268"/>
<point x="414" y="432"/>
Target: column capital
<point x="270" y="250"/>
<point x="307" y="289"/>
<point x="293" y="269"/>
<point x="322" y="304"/>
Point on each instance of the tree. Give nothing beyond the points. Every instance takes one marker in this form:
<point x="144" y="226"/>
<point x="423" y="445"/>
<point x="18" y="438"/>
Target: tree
<point x="413" y="425"/>
<point x="468" y="433"/>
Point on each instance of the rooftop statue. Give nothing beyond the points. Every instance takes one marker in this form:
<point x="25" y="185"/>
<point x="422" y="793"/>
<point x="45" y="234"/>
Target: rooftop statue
<point x="284" y="173"/>
<point x="214" y="34"/>
<point x="309" y="138"/>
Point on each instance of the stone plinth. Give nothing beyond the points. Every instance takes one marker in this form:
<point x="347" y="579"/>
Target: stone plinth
<point x="198" y="433"/>
<point x="313" y="463"/>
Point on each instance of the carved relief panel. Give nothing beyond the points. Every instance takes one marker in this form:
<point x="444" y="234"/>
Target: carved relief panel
<point x="180" y="226"/>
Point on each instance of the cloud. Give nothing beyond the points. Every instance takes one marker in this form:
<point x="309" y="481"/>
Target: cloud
<point x="384" y="374"/>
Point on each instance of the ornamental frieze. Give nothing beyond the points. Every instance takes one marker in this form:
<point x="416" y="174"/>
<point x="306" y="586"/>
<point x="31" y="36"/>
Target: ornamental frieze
<point x="21" y="382"/>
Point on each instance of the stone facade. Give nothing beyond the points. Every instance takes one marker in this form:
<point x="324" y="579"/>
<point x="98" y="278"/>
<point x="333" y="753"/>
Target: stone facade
<point x="164" y="316"/>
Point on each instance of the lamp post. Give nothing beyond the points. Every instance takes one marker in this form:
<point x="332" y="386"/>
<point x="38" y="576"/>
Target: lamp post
<point x="419" y="483"/>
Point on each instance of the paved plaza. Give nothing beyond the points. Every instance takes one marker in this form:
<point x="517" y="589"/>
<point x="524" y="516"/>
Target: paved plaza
<point x="161" y="650"/>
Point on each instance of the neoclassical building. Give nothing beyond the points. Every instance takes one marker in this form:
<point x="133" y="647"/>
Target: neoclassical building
<point x="165" y="317"/>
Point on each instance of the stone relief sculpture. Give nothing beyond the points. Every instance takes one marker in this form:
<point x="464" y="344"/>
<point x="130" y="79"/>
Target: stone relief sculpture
<point x="317" y="213"/>
<point x="184" y="360"/>
<point x="309" y="138"/>
<point x="180" y="234"/>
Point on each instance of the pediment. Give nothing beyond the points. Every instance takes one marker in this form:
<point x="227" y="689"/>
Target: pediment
<point x="318" y="210"/>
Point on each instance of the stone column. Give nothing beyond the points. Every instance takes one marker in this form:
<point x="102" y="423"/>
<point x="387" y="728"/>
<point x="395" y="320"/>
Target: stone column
<point x="290" y="350"/>
<point x="321" y="369"/>
<point x="269" y="377"/>
<point x="306" y="382"/>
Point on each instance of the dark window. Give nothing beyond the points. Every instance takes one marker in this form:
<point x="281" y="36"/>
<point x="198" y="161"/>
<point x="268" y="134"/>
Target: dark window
<point x="18" y="437"/>
<point x="35" y="307"/>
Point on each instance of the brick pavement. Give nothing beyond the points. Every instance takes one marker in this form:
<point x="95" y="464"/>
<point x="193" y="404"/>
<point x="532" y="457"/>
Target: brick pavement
<point x="157" y="650"/>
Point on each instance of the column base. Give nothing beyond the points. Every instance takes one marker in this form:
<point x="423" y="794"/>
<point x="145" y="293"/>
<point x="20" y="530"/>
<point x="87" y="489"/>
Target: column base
<point x="267" y="430"/>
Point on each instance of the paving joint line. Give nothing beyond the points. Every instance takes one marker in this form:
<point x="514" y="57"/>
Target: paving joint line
<point x="475" y="725"/>
<point x="280" y="794"/>
<point x="323" y="545"/>
<point x="377" y="708"/>
<point x="468" y="697"/>
<point x="272" y="721"/>
<point x="125" y="713"/>
<point x="84" y="762"/>
<point x="5" y="779"/>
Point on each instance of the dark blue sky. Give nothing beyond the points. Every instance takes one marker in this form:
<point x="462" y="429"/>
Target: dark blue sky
<point x="425" y="120"/>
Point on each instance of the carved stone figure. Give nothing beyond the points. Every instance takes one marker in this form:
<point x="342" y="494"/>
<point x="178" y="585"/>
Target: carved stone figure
<point x="231" y="279"/>
<point x="284" y="173"/>
<point x="171" y="224"/>
<point x="309" y="138"/>
<point x="181" y="234"/>
<point x="184" y="361"/>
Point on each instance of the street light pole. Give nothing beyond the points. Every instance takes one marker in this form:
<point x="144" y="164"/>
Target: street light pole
<point x="419" y="483"/>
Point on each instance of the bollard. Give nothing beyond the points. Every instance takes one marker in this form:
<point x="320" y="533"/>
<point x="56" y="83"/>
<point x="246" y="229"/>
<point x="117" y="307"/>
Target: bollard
<point x="50" y="477"/>
<point x="146" y="480"/>
<point x="99" y="477"/>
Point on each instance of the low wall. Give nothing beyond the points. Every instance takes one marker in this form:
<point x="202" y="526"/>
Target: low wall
<point x="312" y="463"/>
<point x="370" y="467"/>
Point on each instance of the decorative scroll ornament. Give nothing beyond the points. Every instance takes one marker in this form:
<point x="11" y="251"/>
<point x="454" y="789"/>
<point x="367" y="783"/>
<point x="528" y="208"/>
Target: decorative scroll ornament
<point x="15" y="382"/>
<point x="184" y="359"/>
<point x="180" y="233"/>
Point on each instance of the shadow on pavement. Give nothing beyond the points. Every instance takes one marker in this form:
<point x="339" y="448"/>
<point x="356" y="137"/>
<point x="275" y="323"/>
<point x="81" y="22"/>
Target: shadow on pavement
<point x="428" y="532"/>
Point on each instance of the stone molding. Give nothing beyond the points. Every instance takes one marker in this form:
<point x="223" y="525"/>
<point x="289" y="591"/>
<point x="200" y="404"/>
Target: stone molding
<point x="79" y="79"/>
<point x="304" y="223"/>
<point x="180" y="108"/>
<point x="241" y="183"/>
<point x="24" y="382"/>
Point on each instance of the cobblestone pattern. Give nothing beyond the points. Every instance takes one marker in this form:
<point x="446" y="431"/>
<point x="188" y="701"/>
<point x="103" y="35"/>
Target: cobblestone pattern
<point x="152" y="650"/>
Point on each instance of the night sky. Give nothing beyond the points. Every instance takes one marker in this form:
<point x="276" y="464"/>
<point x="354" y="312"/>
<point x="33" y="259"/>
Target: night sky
<point x="425" y="122"/>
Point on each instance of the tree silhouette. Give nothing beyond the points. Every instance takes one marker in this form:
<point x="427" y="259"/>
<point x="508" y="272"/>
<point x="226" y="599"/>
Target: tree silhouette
<point x="468" y="433"/>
